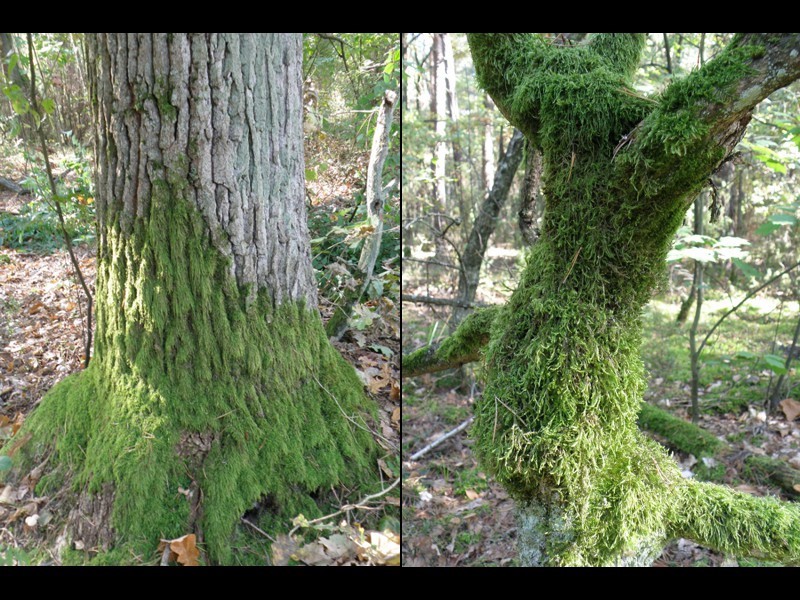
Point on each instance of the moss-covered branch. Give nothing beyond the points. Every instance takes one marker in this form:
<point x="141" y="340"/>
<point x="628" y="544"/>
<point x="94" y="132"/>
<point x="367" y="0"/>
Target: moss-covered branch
<point x="462" y="347"/>
<point x="690" y="438"/>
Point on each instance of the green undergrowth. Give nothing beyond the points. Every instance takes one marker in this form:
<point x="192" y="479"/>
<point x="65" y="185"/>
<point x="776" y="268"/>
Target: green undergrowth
<point x="733" y="374"/>
<point x="193" y="387"/>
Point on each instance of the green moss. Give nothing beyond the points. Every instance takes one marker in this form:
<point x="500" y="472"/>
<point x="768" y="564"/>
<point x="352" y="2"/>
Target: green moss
<point x="686" y="437"/>
<point x="564" y="379"/>
<point x="191" y="384"/>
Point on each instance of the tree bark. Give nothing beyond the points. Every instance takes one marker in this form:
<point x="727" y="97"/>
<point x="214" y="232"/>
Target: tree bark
<point x="557" y="421"/>
<point x="213" y="385"/>
<point x="484" y="226"/>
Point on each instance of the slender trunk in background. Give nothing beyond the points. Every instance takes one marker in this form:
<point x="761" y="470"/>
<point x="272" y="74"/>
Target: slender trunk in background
<point x="376" y="198"/>
<point x="483" y="228"/>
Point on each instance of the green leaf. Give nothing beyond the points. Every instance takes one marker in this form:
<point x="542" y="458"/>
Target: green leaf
<point x="5" y="463"/>
<point x="783" y="219"/>
<point x="775" y="363"/>
<point x="49" y="105"/>
<point x="747" y="269"/>
<point x="311" y="175"/>
<point x="745" y="354"/>
<point x="388" y="352"/>
<point x="776" y="166"/>
<point x="766" y="228"/>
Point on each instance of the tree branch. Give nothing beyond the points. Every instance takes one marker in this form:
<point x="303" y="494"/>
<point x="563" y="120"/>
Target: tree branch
<point x="460" y="348"/>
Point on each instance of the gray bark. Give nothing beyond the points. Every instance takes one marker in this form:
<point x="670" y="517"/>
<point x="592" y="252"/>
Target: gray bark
<point x="484" y="226"/>
<point x="488" y="144"/>
<point x="439" y="110"/>
<point x="532" y="200"/>
<point x="228" y="122"/>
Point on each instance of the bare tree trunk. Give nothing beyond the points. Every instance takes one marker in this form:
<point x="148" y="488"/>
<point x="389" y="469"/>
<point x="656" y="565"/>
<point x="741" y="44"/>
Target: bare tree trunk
<point x="484" y="226"/>
<point x="488" y="144"/>
<point x="439" y="112"/>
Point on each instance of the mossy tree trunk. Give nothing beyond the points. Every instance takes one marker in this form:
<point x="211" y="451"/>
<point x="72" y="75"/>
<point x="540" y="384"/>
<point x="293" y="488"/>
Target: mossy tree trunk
<point x="213" y="385"/>
<point x="564" y="380"/>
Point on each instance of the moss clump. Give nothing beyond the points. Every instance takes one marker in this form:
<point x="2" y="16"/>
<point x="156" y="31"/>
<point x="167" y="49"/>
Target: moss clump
<point x="685" y="436"/>
<point x="192" y="387"/>
<point x="564" y="380"/>
<point x="462" y="346"/>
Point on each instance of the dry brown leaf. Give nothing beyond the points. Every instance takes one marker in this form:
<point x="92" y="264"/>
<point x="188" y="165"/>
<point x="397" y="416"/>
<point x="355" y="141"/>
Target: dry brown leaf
<point x="472" y="494"/>
<point x="394" y="393"/>
<point x="396" y="416"/>
<point x="282" y="550"/>
<point x="748" y="489"/>
<point x="790" y="408"/>
<point x="35" y="308"/>
<point x="312" y="554"/>
<point x="796" y="487"/>
<point x="338" y="547"/>
<point x="385" y="468"/>
<point x="183" y="550"/>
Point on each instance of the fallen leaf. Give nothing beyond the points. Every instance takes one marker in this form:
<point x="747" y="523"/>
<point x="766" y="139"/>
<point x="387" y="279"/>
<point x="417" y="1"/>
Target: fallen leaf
<point x="35" y="308"/>
<point x="790" y="408"/>
<point x="8" y="495"/>
<point x="394" y="393"/>
<point x="796" y="487"/>
<point x="338" y="546"/>
<point x="396" y="416"/>
<point x="472" y="494"/>
<point x="385" y="468"/>
<point x="312" y="554"/>
<point x="183" y="550"/>
<point x="282" y="549"/>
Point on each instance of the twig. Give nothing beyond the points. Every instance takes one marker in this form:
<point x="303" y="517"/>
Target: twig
<point x="349" y="507"/>
<point x="54" y="191"/>
<point x="441" y="439"/>
<point x="745" y="299"/>
<point x="438" y="301"/>
<point x="351" y="419"/>
<point x="259" y="530"/>
<point x="574" y="259"/>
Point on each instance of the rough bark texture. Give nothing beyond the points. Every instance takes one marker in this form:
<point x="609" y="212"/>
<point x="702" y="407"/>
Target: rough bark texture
<point x="212" y="373"/>
<point x="557" y="422"/>
<point x="484" y="226"/>
<point x="531" y="196"/>
<point x="221" y="113"/>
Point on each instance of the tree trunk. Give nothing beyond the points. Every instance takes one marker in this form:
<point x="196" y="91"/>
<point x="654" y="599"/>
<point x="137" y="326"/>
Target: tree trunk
<point x="488" y="145"/>
<point x="483" y="228"/>
<point x="213" y="385"/>
<point x="439" y="113"/>
<point x="556" y="424"/>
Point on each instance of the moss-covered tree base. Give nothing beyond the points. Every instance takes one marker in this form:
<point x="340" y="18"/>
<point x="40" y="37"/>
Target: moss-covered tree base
<point x="158" y="459"/>
<point x="202" y="399"/>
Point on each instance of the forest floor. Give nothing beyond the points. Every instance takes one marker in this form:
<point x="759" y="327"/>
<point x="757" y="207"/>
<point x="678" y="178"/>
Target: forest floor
<point x="454" y="515"/>
<point x="43" y="328"/>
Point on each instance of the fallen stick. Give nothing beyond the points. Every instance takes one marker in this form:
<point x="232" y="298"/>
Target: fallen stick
<point x="439" y="440"/>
